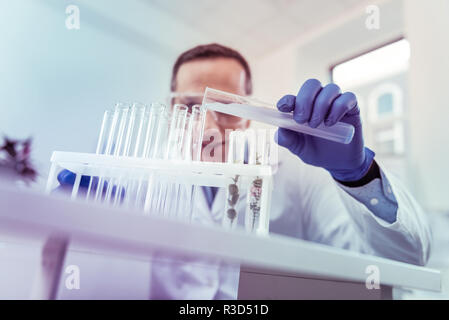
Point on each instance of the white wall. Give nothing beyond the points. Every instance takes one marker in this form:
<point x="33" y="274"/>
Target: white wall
<point x="427" y="28"/>
<point x="314" y="51"/>
<point x="55" y="83"/>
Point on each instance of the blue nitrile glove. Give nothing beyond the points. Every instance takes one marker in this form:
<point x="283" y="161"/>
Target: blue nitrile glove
<point x="67" y="178"/>
<point x="315" y="104"/>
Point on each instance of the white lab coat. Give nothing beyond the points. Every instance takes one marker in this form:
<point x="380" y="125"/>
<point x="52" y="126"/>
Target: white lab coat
<point x="306" y="204"/>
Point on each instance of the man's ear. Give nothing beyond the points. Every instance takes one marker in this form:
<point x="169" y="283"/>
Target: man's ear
<point x="247" y="124"/>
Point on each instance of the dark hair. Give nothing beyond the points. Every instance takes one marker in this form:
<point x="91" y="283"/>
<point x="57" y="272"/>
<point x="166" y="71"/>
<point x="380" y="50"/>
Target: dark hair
<point x="210" y="51"/>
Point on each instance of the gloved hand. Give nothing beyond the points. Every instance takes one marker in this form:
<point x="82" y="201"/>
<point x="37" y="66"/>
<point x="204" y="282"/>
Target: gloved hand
<point x="66" y="179"/>
<point x="315" y="104"/>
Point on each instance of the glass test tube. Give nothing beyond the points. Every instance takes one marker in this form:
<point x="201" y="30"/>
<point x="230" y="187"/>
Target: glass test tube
<point x="174" y="148"/>
<point x="177" y="131"/>
<point x="183" y="190"/>
<point x="197" y="120"/>
<point x="134" y="130"/>
<point x="110" y="141"/>
<point x="157" y="151"/>
<point x="155" y="123"/>
<point x="132" y="140"/>
<point x="117" y="144"/>
<point x="258" y="155"/>
<point x="164" y="148"/>
<point x="191" y="151"/>
<point x="161" y="143"/>
<point x="105" y="130"/>
<point x="146" y="141"/>
<point x="236" y="155"/>
<point x="154" y="148"/>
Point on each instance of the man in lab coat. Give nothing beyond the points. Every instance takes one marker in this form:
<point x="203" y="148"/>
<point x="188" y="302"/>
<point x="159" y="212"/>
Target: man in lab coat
<point x="326" y="192"/>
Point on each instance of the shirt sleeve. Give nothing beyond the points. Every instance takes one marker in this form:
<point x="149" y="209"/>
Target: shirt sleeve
<point x="377" y="196"/>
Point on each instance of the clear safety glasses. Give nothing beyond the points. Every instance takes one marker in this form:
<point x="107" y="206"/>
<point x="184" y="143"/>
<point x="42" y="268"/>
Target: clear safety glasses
<point x="190" y="99"/>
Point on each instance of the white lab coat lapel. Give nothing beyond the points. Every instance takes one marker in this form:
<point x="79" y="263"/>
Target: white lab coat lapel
<point x="201" y="211"/>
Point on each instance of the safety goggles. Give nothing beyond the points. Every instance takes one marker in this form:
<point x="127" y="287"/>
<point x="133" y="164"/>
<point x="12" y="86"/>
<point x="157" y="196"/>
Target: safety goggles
<point x="191" y="99"/>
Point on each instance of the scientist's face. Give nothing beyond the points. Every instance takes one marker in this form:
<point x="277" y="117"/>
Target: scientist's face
<point x="224" y="74"/>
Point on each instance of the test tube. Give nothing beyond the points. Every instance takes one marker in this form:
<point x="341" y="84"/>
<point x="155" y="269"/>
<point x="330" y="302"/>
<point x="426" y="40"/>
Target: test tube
<point x="197" y="121"/>
<point x="258" y="155"/>
<point x="236" y="155"/>
<point x="154" y="149"/>
<point x="160" y="143"/>
<point x="131" y="147"/>
<point x="186" y="152"/>
<point x="177" y="131"/>
<point x="134" y="131"/>
<point x="146" y="141"/>
<point x="106" y="127"/>
<point x="183" y="190"/>
<point x="174" y="151"/>
<point x="169" y="149"/>
<point x="107" y="140"/>
<point x="116" y="143"/>
<point x="250" y="135"/>
<point x="154" y="117"/>
<point x="236" y="147"/>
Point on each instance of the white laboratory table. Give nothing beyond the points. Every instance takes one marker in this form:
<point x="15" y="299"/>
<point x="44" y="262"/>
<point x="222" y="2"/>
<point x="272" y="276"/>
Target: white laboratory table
<point x="271" y="267"/>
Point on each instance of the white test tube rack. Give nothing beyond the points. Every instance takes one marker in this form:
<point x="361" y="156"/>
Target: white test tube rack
<point x="192" y="173"/>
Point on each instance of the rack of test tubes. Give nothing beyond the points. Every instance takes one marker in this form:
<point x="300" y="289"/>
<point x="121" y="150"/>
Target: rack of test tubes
<point x="149" y="159"/>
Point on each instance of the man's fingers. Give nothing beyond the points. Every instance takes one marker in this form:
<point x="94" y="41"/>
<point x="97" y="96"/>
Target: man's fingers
<point x="344" y="104"/>
<point x="305" y="100"/>
<point x="323" y="104"/>
<point x="286" y="103"/>
<point x="291" y="140"/>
